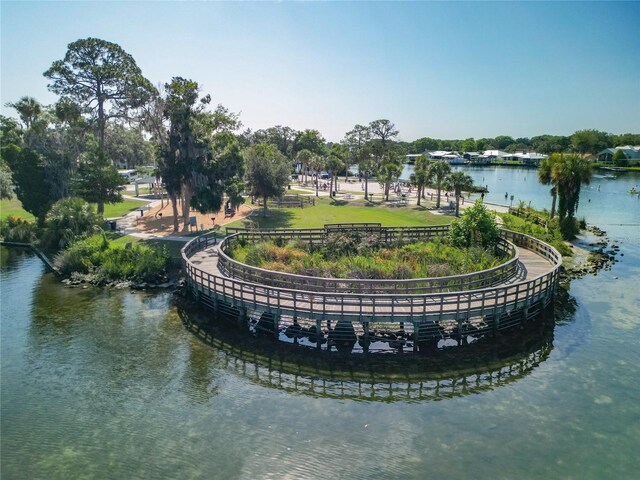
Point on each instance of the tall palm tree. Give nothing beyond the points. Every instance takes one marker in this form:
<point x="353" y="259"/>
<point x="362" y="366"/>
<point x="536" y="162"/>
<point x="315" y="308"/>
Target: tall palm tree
<point x="317" y="163"/>
<point x="389" y="172"/>
<point x="439" y="171"/>
<point x="334" y="164"/>
<point x="570" y="172"/>
<point x="366" y="166"/>
<point x="459" y="182"/>
<point x="421" y="176"/>
<point x="546" y="177"/>
<point x="28" y="108"/>
<point x="303" y="157"/>
<point x="339" y="158"/>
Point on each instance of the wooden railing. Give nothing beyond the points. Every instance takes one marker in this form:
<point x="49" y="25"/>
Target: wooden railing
<point x="471" y="281"/>
<point x="494" y="305"/>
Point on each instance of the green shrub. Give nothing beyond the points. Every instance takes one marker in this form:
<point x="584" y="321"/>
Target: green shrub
<point x="339" y="244"/>
<point x="114" y="262"/>
<point x="118" y="263"/>
<point x="256" y="254"/>
<point x="68" y="220"/>
<point x="369" y="244"/>
<point x="551" y="234"/>
<point x="152" y="263"/>
<point x="477" y="226"/>
<point x="83" y="256"/>
<point x="15" y="229"/>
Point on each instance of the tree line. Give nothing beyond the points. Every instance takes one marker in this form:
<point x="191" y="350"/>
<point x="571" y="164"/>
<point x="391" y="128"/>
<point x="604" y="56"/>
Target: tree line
<point x="108" y="113"/>
<point x="588" y="141"/>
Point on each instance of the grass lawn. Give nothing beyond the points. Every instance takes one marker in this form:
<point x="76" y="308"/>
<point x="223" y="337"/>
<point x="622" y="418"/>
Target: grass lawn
<point x="340" y="211"/>
<point x="173" y="247"/>
<point x="117" y="210"/>
<point x="111" y="210"/>
<point x="14" y="208"/>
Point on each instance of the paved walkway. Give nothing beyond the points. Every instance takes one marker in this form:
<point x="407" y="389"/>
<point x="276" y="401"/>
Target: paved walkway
<point x="127" y="225"/>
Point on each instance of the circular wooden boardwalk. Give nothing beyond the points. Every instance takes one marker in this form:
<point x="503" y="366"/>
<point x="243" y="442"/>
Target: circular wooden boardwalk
<point x="416" y="310"/>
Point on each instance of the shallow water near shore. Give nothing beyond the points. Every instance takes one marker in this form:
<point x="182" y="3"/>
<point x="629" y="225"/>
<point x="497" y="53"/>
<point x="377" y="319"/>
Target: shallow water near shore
<point x="110" y="384"/>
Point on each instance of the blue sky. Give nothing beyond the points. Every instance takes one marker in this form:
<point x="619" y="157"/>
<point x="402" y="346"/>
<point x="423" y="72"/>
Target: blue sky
<point x="444" y="70"/>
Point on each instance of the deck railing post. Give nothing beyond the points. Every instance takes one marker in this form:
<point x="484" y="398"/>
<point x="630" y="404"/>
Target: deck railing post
<point x="365" y="327"/>
<point x="318" y="333"/>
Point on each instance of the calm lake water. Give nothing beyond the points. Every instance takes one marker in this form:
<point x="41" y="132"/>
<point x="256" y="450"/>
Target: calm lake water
<point x="110" y="384"/>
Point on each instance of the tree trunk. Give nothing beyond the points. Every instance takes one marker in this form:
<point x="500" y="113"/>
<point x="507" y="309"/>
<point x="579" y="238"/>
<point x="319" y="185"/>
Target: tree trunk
<point x="174" y="206"/>
<point x="264" y="207"/>
<point x="366" y="186"/>
<point x="100" y="208"/>
<point x="457" y="204"/>
<point x="101" y="122"/>
<point x="186" y="200"/>
<point x="438" y="196"/>
<point x="554" y="195"/>
<point x="419" y="188"/>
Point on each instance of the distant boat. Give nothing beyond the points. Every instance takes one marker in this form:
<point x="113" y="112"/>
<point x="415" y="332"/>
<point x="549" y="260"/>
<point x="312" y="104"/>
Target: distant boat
<point x="608" y="176"/>
<point x="634" y="191"/>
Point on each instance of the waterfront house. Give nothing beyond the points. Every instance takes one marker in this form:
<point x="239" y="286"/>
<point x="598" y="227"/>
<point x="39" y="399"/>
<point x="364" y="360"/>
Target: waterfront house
<point x="526" y="158"/>
<point x="631" y="152"/>
<point x="481" y="159"/>
<point x="492" y="155"/>
<point x="453" y="158"/>
<point x="438" y="154"/>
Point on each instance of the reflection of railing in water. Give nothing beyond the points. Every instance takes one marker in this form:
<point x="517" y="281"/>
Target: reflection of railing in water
<point x="394" y="391"/>
<point x="410" y="377"/>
